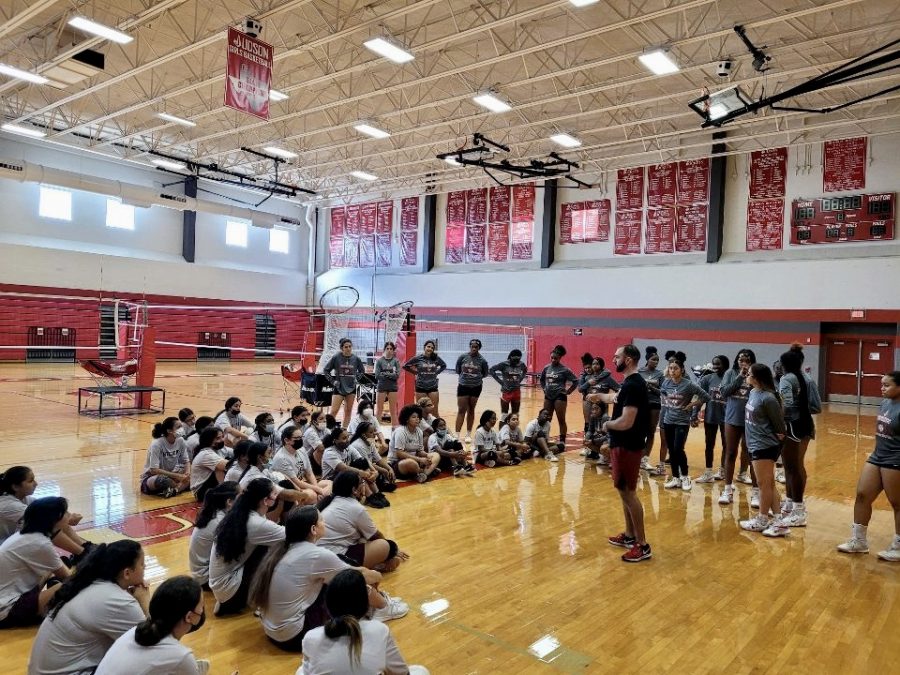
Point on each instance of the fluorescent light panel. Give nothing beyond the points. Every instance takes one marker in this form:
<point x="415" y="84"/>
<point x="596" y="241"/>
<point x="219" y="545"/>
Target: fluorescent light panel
<point x="565" y="140"/>
<point x="177" y="120"/>
<point x="364" y="175"/>
<point x="658" y="62"/>
<point x="100" y="30"/>
<point x="169" y="164"/>
<point x="583" y="3"/>
<point x="19" y="74"/>
<point x="452" y="161"/>
<point x="280" y="152"/>
<point x="370" y="130"/>
<point x="275" y="95"/>
<point x="492" y="102"/>
<point x="22" y="131"/>
<point x="389" y="50"/>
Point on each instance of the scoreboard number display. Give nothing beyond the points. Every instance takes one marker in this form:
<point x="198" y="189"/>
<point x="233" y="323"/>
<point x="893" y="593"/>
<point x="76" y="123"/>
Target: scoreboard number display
<point x="841" y="219"/>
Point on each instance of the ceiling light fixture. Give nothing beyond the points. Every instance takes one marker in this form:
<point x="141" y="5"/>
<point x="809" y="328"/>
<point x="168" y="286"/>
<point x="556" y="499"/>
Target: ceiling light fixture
<point x="280" y="152"/>
<point x="721" y="105"/>
<point x="23" y="131"/>
<point x="492" y="102"/>
<point x="565" y="140"/>
<point x="583" y="3"/>
<point x="169" y="164"/>
<point x="370" y="130"/>
<point x="177" y="120"/>
<point x="363" y="175"/>
<point x="100" y="30"/>
<point x="275" y="95"/>
<point x="19" y="74"/>
<point x="658" y="62"/>
<point x="389" y="49"/>
<point x="452" y="161"/>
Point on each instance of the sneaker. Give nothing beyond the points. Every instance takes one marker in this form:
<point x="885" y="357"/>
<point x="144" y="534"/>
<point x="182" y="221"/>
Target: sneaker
<point x="686" y="483"/>
<point x="776" y="528"/>
<point x="891" y="554"/>
<point x="550" y="457"/>
<point x="602" y="461"/>
<point x="645" y="464"/>
<point x="515" y="461"/>
<point x="637" y="553"/>
<point x="469" y="470"/>
<point x="727" y="496"/>
<point x="421" y="476"/>
<point x="622" y="540"/>
<point x="560" y="447"/>
<point x="757" y="524"/>
<point x="585" y="452"/>
<point x="374" y="502"/>
<point x="796" y="518"/>
<point x="719" y="474"/>
<point x="785" y="507"/>
<point x="707" y="477"/>
<point x="459" y="471"/>
<point x="744" y="477"/>
<point x="394" y="609"/>
<point x="660" y="470"/>
<point x="854" y="545"/>
<point x="169" y="493"/>
<point x="490" y="463"/>
<point x="754" y="498"/>
<point x="779" y="476"/>
<point x="593" y="456"/>
<point x="672" y="483"/>
<point x="468" y="440"/>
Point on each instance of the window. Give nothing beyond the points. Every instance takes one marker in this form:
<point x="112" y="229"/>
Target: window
<point x="119" y="215"/>
<point x="55" y="203"/>
<point x="236" y="233"/>
<point x="279" y="241"/>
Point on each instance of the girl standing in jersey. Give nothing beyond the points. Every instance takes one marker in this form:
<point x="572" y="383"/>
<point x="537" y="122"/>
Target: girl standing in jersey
<point x="558" y="382"/>
<point x="344" y="370"/>
<point x="472" y="369"/>
<point x="736" y="389"/>
<point x="714" y="418"/>
<point x="654" y="378"/>
<point x="167" y="471"/>
<point x="426" y="367"/>
<point x="216" y="503"/>
<point x="510" y="375"/>
<point x="681" y="399"/>
<point x="387" y="377"/>
<point x="765" y="429"/>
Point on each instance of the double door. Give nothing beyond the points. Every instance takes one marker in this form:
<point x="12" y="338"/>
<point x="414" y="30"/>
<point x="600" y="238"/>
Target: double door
<point x="855" y="366"/>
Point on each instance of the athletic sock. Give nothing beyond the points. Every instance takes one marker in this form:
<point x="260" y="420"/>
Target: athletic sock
<point x="799" y="506"/>
<point x="859" y="531"/>
<point x="896" y="543"/>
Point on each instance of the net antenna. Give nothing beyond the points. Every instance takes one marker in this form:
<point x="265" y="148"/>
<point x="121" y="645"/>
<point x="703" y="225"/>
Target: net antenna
<point x="336" y="304"/>
<point x="394" y="319"/>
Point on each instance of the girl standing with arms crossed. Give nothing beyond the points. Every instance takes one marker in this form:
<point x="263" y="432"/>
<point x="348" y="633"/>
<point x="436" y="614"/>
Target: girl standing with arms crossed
<point x="558" y="382"/>
<point x="387" y="375"/>
<point x="681" y="399"/>
<point x="472" y="369"/>
<point x="426" y="367"/>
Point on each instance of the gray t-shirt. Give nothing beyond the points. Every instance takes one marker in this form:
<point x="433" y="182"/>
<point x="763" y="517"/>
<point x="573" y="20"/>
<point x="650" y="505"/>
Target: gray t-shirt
<point x="534" y="430"/>
<point x="226" y="419"/>
<point x="675" y="396"/>
<point x="296" y="582"/>
<point x="346" y="523"/>
<point x="656" y="378"/>
<point x="203" y="466"/>
<point x="168" y="656"/>
<point x="763" y="420"/>
<point x="471" y="369"/>
<point x="291" y="464"/>
<point x="330" y="460"/>
<point x="408" y="441"/>
<point x="555" y="379"/>
<point x="168" y="457"/>
<point x="11" y="511"/>
<point x="346" y="370"/>
<point x="711" y="383"/>
<point x="78" y="637"/>
<point x="486" y="440"/>
<point x="426" y="371"/>
<point x="887" y="435"/>
<point x="25" y="560"/>
<point x="508" y="375"/>
<point x="387" y="373"/>
<point x="312" y="439"/>
<point x="225" y="577"/>
<point x="379" y="654"/>
<point x="200" y="548"/>
<point x="735" y="389"/>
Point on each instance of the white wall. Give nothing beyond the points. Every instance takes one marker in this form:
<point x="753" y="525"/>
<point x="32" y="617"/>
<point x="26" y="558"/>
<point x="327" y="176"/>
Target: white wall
<point x="85" y="254"/>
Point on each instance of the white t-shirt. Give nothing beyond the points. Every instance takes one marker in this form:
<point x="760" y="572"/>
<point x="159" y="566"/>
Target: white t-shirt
<point x="225" y="577"/>
<point x="253" y="473"/>
<point x="78" y="637"/>
<point x="11" y="511"/>
<point x="486" y="440"/>
<point x="202" y="540"/>
<point x="405" y="440"/>
<point x="291" y="464"/>
<point x="330" y="460"/>
<point x="312" y="439"/>
<point x="203" y="466"/>
<point x="168" y="656"/>
<point x="25" y="559"/>
<point x="507" y="435"/>
<point x="533" y="430"/>
<point x="162" y="455"/>
<point x="234" y="421"/>
<point x="192" y="443"/>
<point x="346" y="523"/>
<point x="233" y="475"/>
<point x="266" y="440"/>
<point x="362" y="448"/>
<point x="296" y="582"/>
<point x="380" y="654"/>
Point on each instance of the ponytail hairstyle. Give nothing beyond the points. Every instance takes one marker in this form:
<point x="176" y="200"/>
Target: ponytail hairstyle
<point x="207" y="436"/>
<point x="231" y="535"/>
<point x="792" y="362"/>
<point x="297" y="527"/>
<point x="104" y="563"/>
<point x="315" y="415"/>
<point x="681" y="357"/>
<point x="230" y="401"/>
<point x="42" y="515"/>
<point x="184" y="413"/>
<point x="347" y="600"/>
<point x="361" y="430"/>
<point x="216" y="500"/>
<point x="559" y="349"/>
<point x="202" y="423"/>
<point x="14" y="475"/>
<point x="763" y="375"/>
<point x="255" y="452"/>
<point x="343" y="486"/>
<point x="260" y="421"/>
<point x="797" y="347"/>
<point x="240" y="450"/>
<point x="160" y="429"/>
<point x="649" y="351"/>
<point x="169" y="605"/>
<point x="287" y="432"/>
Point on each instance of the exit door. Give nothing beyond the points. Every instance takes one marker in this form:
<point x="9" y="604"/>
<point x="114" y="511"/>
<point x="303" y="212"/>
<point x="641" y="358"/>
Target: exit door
<point x="854" y="368"/>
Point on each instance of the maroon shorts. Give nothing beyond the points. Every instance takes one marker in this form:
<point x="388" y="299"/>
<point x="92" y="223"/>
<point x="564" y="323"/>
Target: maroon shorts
<point x="25" y="611"/>
<point x="513" y="396"/>
<point x="626" y="468"/>
<point x="355" y="555"/>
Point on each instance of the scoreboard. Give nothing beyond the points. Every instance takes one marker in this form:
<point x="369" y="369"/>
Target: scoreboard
<point x="839" y="219"/>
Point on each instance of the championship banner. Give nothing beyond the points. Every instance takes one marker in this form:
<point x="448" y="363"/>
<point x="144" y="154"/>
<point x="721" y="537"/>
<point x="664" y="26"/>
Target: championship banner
<point x="248" y="74"/>
<point x="498" y="242"/>
<point x="499" y="202"/>
<point x="475" y="236"/>
<point x="368" y="214"/>
<point x="455" y="243"/>
<point x="409" y="215"/>
<point x="476" y="207"/>
<point x="367" y="251"/>
<point x="523" y="203"/>
<point x="456" y="208"/>
<point x="597" y="226"/>
<point x="660" y="231"/>
<point x="383" y="250"/>
<point x="409" y="243"/>
<point x="768" y="173"/>
<point x="385" y="224"/>
<point x="765" y="224"/>
<point x="845" y="164"/>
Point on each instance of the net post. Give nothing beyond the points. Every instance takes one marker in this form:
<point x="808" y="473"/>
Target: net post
<point x="146" y="372"/>
<point x="406" y="349"/>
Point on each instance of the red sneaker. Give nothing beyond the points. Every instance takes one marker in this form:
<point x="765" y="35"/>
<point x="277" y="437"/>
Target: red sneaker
<point x="622" y="540"/>
<point x="637" y="553"/>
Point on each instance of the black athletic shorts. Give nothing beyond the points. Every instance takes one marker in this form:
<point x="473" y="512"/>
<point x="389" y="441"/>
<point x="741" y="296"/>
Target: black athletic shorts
<point x="426" y="390"/>
<point x="766" y="453"/>
<point x="464" y="390"/>
<point x="554" y="399"/>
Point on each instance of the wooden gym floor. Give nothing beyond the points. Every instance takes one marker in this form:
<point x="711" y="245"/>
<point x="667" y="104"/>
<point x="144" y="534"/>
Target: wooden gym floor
<point x="510" y="571"/>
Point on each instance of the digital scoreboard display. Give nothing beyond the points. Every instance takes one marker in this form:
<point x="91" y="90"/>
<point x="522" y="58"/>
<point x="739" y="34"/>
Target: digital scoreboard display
<point x="839" y="219"/>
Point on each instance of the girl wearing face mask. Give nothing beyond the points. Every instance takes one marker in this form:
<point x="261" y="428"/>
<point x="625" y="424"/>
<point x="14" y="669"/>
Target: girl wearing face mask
<point x="510" y="374"/>
<point x="681" y="401"/>
<point x="209" y="465"/>
<point x="472" y="369"/>
<point x="299" y="418"/>
<point x="344" y="370"/>
<point x="312" y="441"/>
<point x="216" y="503"/>
<point x="287" y="495"/>
<point x="714" y="417"/>
<point x="264" y="431"/>
<point x="365" y="413"/>
<point x="364" y="443"/>
<point x="232" y="422"/>
<point x="292" y="462"/>
<point x="188" y="420"/>
<point x="167" y="469"/>
<point x="453" y="455"/>
<point x="337" y="458"/>
<point x="427" y="366"/>
<point x="387" y="377"/>
<point x="153" y="646"/>
<point x="558" y="382"/>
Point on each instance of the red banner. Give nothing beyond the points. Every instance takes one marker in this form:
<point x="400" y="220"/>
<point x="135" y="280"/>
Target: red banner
<point x="351" y="228"/>
<point x="522" y="233"/>
<point x="498" y="204"/>
<point x="455" y="244"/>
<point x="368" y="213"/>
<point x="765" y="224"/>
<point x="630" y="189"/>
<point x="409" y="214"/>
<point x="693" y="181"/>
<point x="845" y="164"/>
<point x="768" y="173"/>
<point x="336" y="252"/>
<point x="409" y="242"/>
<point x="475" y="235"/>
<point x="456" y="208"/>
<point x="690" y="227"/>
<point x="351" y="252"/>
<point x="596" y="227"/>
<point x="521" y="250"/>
<point x="385" y="222"/>
<point x="660" y="231"/>
<point x="367" y="251"/>
<point x="248" y="74"/>
<point x="523" y="205"/>
<point x="383" y="252"/>
<point x="628" y="232"/>
<point x="565" y="221"/>
<point x="476" y="207"/>
<point x="338" y="218"/>
<point x="661" y="185"/>
<point x="578" y="216"/>
<point x="498" y="242"/>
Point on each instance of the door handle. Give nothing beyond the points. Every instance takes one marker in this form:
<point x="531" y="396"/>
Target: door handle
<point x="839" y="372"/>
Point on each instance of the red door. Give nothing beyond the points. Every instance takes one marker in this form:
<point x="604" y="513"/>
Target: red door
<point x="877" y="359"/>
<point x="842" y="367"/>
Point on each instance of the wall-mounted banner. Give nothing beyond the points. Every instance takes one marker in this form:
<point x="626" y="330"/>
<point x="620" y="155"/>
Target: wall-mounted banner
<point x="248" y="74"/>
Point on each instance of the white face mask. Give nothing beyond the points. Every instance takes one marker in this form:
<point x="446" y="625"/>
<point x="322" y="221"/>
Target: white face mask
<point x="320" y="426"/>
<point x="368" y="413"/>
<point x="269" y="428"/>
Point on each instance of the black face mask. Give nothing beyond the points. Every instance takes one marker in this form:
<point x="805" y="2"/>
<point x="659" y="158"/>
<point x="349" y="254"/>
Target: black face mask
<point x="218" y="445"/>
<point x="235" y="412"/>
<point x="341" y="445"/>
<point x="297" y="444"/>
<point x="199" y="624"/>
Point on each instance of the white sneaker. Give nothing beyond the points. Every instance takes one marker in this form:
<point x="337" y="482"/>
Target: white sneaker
<point x="686" y="483"/>
<point x="744" y="477"/>
<point x="891" y="554"/>
<point x="660" y="470"/>
<point x="468" y="440"/>
<point x="394" y="609"/>
<point x="707" y="477"/>
<point x="796" y="518"/>
<point x="672" y="483"/>
<point x="550" y="457"/>
<point x="786" y="507"/>
<point x="779" y="476"/>
<point x="854" y="545"/>
<point x="602" y="461"/>
<point x="645" y="464"/>
<point x="727" y="496"/>
<point x="585" y="452"/>
<point x="719" y="474"/>
<point x="754" y="498"/>
<point x="418" y="670"/>
<point x="202" y="666"/>
<point x="776" y="528"/>
<point x="757" y="524"/>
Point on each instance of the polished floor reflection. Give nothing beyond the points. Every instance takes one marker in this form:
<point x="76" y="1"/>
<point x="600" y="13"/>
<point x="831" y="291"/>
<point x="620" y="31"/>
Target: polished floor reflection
<point x="510" y="570"/>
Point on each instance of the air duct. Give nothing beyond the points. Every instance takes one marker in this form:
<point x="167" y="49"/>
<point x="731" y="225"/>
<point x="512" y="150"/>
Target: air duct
<point x="310" y="217"/>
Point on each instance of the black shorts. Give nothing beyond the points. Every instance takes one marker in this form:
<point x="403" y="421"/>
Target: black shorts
<point x="426" y="390"/>
<point x="883" y="465"/>
<point x="355" y="555"/>
<point x="554" y="399"/>
<point x="470" y="391"/>
<point x="25" y="610"/>
<point x="766" y="453"/>
<point x="799" y="428"/>
<point x="387" y="389"/>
